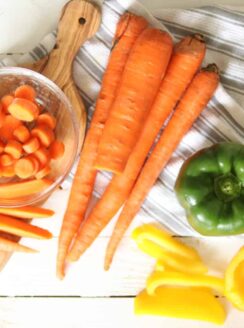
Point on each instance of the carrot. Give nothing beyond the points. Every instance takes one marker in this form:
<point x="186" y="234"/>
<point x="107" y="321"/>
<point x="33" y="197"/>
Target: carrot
<point x="2" y="146"/>
<point x="31" y="145"/>
<point x="6" y="101"/>
<point x="27" y="212"/>
<point x="56" y="149"/>
<point x="21" y="228"/>
<point x="8" y="171"/>
<point x="44" y="134"/>
<point x="43" y="172"/>
<point x="187" y="57"/>
<point x="140" y="81"/>
<point x="10" y="124"/>
<point x="22" y="134"/>
<point x="23" y="110"/>
<point x="190" y="107"/>
<point x="11" y="246"/>
<point x="43" y="156"/>
<point x="24" y="168"/>
<point x="128" y="29"/>
<point x="25" y="91"/>
<point x="47" y="119"/>
<point x="14" y="190"/>
<point x="35" y="162"/>
<point x="2" y="116"/>
<point x="13" y="148"/>
<point x="6" y="159"/>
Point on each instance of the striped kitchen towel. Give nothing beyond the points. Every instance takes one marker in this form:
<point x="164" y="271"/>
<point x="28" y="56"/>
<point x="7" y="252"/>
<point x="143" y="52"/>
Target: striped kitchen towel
<point x="223" y="30"/>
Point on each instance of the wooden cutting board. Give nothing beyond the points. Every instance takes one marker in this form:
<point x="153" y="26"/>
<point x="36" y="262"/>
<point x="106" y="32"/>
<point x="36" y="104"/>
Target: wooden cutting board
<point x="79" y="21"/>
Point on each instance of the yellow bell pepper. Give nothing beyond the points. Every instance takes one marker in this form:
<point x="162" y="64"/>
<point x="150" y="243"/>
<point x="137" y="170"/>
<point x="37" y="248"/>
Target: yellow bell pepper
<point x="169" y="252"/>
<point x="160" y="239"/>
<point x="185" y="303"/>
<point x="234" y="280"/>
<point x="159" y="279"/>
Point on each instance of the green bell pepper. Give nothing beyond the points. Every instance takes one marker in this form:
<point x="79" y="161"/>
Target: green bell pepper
<point x="210" y="186"/>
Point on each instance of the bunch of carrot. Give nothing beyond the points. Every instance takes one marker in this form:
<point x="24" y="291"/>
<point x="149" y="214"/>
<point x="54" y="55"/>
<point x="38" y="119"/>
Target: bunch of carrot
<point x="27" y="137"/>
<point x="13" y="224"/>
<point x="146" y="80"/>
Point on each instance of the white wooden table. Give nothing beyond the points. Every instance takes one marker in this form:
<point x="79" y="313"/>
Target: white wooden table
<point x="30" y="294"/>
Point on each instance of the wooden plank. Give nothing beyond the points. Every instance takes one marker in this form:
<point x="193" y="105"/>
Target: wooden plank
<point x="91" y="313"/>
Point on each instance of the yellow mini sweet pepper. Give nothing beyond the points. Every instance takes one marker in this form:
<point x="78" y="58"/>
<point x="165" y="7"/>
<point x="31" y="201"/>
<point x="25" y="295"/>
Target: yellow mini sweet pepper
<point x="234" y="280"/>
<point x="185" y="303"/>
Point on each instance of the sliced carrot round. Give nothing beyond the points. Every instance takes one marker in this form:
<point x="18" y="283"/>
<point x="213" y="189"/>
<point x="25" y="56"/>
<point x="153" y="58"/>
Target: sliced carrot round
<point x="43" y="156"/>
<point x="14" y="148"/>
<point x="24" y="168"/>
<point x="43" y="172"/>
<point x="8" y="171"/>
<point x="56" y="149"/>
<point x="2" y="146"/>
<point x="31" y="145"/>
<point x="25" y="91"/>
<point x="23" y="110"/>
<point x="44" y="134"/>
<point x="6" y="160"/>
<point x="9" y="125"/>
<point x="47" y="119"/>
<point x="6" y="101"/>
<point x="22" y="134"/>
<point x="36" y="163"/>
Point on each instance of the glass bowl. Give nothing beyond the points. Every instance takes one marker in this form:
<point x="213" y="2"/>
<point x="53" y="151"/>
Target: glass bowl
<point x="50" y="96"/>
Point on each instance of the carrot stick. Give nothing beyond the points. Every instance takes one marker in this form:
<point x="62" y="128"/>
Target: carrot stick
<point x="190" y="107"/>
<point x="187" y="57"/>
<point x="11" y="246"/>
<point x="140" y="81"/>
<point x="128" y="29"/>
<point x="27" y="212"/>
<point x="23" y="188"/>
<point x="21" y="228"/>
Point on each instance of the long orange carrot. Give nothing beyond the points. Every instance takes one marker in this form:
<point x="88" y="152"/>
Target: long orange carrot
<point x="140" y="81"/>
<point x="129" y="28"/>
<point x="190" y="106"/>
<point x="187" y="57"/>
<point x="12" y="246"/>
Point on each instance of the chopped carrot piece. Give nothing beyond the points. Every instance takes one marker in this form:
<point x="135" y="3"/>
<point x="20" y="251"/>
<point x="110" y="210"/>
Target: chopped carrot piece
<point x="23" y="110"/>
<point x="2" y="116"/>
<point x="25" y="91"/>
<point x="31" y="145"/>
<point x="22" y="134"/>
<point x="13" y="148"/>
<point x="9" y="125"/>
<point x="42" y="154"/>
<point x="6" y="101"/>
<point x="35" y="162"/>
<point x="6" y="160"/>
<point x="2" y="146"/>
<point x="15" y="190"/>
<point x="47" y="119"/>
<point x="24" y="168"/>
<point x="8" y="171"/>
<point x="43" y="172"/>
<point x="44" y="134"/>
<point x="56" y="149"/>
